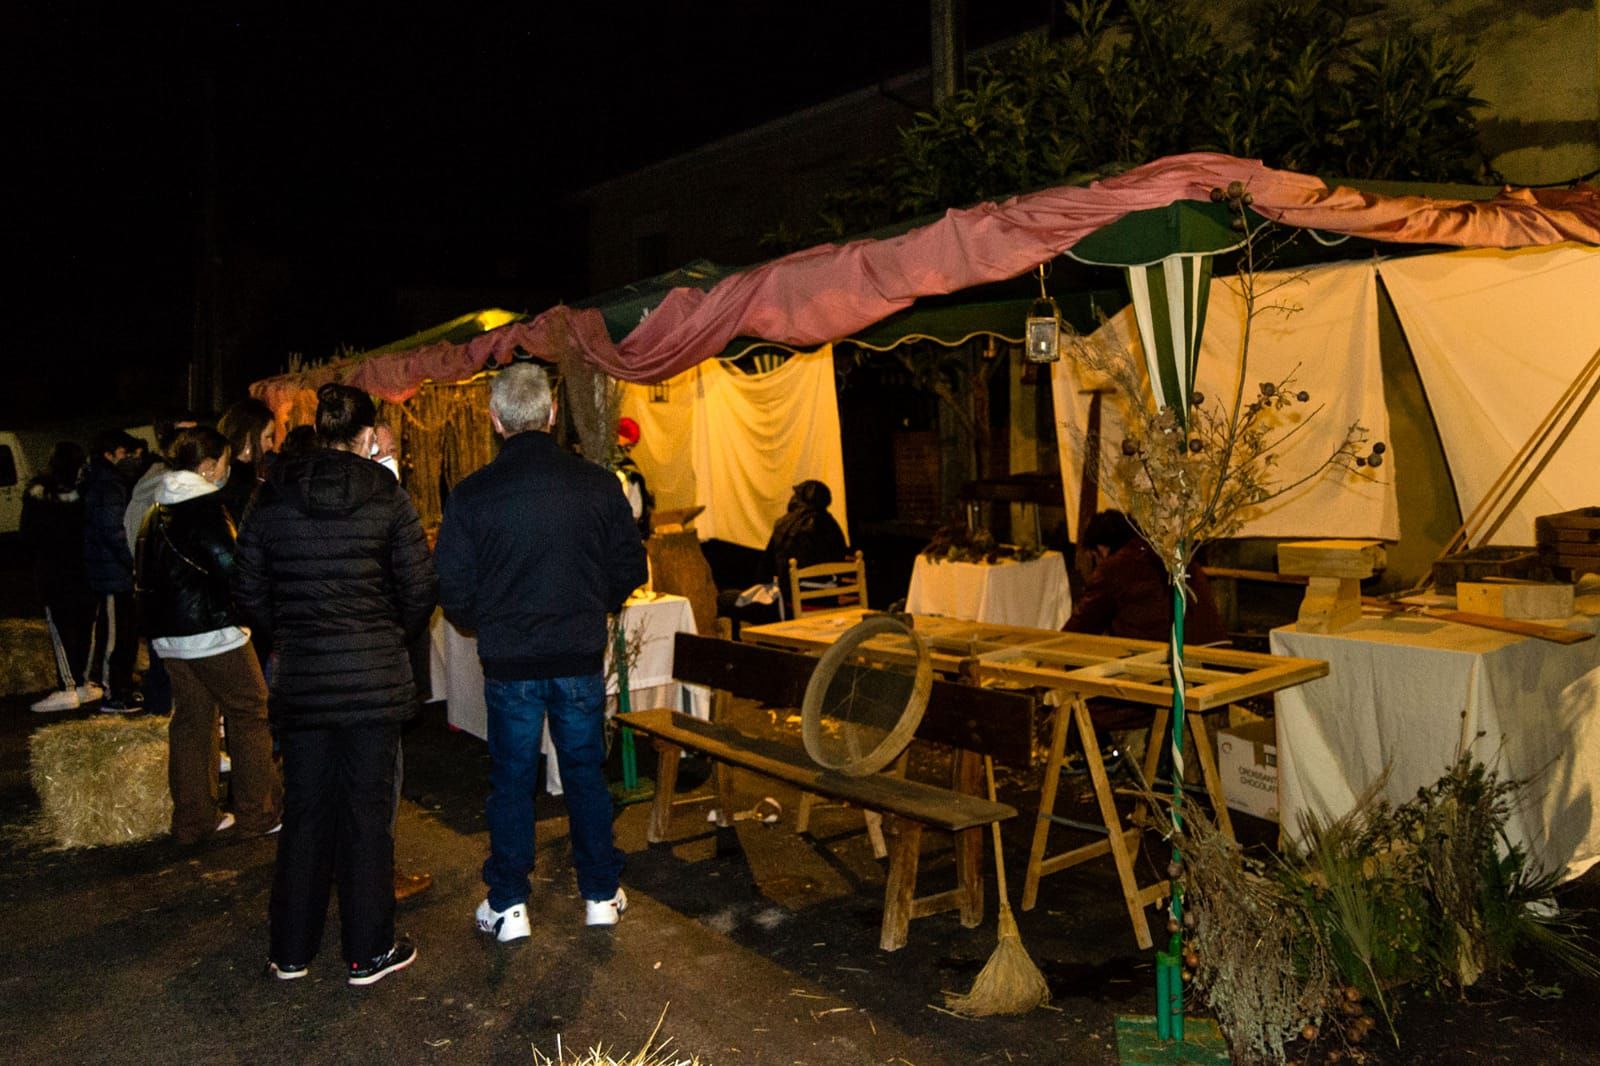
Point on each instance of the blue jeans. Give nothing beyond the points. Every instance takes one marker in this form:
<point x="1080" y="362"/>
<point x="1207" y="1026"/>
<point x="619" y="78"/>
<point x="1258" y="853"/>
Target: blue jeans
<point x="517" y="710"/>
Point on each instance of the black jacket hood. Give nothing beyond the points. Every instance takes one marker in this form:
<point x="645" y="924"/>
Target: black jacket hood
<point x="329" y="483"/>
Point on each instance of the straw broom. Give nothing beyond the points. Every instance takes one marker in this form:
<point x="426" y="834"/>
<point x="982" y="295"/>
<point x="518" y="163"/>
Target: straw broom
<point x="1009" y="983"/>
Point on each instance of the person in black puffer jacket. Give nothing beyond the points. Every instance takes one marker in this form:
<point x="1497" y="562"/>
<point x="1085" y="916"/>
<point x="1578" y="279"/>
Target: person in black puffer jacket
<point x="184" y="559"/>
<point x="335" y="575"/>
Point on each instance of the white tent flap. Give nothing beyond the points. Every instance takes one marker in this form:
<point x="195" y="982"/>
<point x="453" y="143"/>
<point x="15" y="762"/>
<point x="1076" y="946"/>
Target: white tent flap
<point x="738" y="443"/>
<point x="1319" y="324"/>
<point x="1498" y="336"/>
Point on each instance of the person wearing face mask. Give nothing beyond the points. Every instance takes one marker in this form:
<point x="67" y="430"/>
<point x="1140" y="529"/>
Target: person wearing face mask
<point x="108" y="567"/>
<point x="252" y="433"/>
<point x="334" y="576"/>
<point x="186" y="555"/>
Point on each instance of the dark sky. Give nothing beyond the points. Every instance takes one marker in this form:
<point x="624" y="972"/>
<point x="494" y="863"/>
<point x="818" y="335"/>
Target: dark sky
<point x="361" y="150"/>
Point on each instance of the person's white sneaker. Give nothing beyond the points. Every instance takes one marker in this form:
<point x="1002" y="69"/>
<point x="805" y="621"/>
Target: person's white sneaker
<point x="63" y="700"/>
<point x="226" y="823"/>
<point x="88" y="692"/>
<point x="507" y="925"/>
<point x="605" y="911"/>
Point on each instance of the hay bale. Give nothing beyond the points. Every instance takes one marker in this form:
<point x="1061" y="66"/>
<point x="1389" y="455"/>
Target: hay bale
<point x="28" y="661"/>
<point x="102" y="780"/>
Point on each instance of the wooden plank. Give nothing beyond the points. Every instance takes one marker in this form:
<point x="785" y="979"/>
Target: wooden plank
<point x="929" y="804"/>
<point x="1522" y="600"/>
<point x="1330" y="558"/>
<point x="992" y="722"/>
<point x="1555" y="634"/>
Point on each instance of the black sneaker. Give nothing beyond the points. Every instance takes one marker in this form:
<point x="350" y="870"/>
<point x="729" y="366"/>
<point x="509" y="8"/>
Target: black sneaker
<point x="397" y="958"/>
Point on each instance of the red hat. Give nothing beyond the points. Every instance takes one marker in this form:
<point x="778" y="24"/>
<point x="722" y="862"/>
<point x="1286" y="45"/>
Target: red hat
<point x="627" y="431"/>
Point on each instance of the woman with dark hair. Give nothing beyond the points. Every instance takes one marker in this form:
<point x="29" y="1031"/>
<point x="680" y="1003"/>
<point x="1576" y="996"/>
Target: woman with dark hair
<point x="52" y="532"/>
<point x="334" y="572"/>
<point x="252" y="433"/>
<point x="185" y="560"/>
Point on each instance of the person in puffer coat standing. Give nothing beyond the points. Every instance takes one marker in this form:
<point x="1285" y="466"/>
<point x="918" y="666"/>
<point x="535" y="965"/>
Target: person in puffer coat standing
<point x="334" y="575"/>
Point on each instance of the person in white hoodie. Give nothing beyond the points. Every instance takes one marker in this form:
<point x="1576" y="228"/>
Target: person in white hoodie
<point x="185" y="559"/>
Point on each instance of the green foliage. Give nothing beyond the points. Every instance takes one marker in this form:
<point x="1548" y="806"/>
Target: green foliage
<point x="1134" y="80"/>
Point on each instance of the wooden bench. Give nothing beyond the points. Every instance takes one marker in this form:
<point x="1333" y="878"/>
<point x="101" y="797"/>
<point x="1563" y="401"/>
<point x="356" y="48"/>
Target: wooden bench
<point x="973" y="721"/>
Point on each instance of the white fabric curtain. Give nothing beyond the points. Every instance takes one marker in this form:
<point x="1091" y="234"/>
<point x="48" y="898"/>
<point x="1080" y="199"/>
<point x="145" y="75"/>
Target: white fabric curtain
<point x="737" y="443"/>
<point x="1498" y="336"/>
<point x="1320" y="324"/>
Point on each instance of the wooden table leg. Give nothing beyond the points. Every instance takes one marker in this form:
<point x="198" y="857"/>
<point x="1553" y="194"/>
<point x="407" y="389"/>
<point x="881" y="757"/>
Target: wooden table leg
<point x="1120" y="853"/>
<point x="1047" y="806"/>
<point x="966" y="773"/>
<point x="1208" y="770"/>
<point x="666" y="781"/>
<point x="905" y="851"/>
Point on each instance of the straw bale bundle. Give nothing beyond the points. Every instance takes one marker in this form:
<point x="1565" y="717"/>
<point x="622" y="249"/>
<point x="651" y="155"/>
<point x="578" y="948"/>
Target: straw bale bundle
<point x="28" y="660"/>
<point x="102" y="780"/>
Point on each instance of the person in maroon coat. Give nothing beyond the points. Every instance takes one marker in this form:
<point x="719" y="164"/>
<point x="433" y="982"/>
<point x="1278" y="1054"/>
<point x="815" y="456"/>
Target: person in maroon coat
<point x="1129" y="593"/>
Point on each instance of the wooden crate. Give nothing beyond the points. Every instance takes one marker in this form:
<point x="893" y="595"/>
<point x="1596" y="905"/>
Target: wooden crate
<point x="1479" y="563"/>
<point x="1569" y="542"/>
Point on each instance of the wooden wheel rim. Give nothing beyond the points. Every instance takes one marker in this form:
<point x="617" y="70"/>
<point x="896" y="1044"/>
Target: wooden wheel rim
<point x="895" y="741"/>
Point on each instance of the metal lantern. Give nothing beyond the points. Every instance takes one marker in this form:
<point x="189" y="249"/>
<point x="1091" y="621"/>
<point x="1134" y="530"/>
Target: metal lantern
<point x="1043" y="327"/>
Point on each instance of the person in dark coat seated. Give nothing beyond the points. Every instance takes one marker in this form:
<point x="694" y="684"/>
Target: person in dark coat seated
<point x="1129" y="594"/>
<point x="806" y="533"/>
<point x="334" y="574"/>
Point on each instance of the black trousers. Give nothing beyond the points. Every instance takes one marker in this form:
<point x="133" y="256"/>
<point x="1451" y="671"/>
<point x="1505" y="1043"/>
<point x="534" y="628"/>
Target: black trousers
<point x="338" y="803"/>
<point x="116" y="644"/>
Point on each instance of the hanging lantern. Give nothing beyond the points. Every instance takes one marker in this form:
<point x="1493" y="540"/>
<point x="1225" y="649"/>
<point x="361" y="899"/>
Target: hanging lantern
<point x="1043" y="327"/>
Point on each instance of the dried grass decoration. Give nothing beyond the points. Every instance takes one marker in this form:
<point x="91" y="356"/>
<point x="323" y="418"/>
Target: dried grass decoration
<point x="102" y="780"/>
<point x="1009" y="983"/>
<point x="29" y="663"/>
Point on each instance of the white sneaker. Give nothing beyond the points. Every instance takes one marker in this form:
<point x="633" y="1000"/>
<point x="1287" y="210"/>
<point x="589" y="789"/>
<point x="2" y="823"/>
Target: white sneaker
<point x="507" y="925"/>
<point x="605" y="911"/>
<point x="225" y="764"/>
<point x="226" y="823"/>
<point x="64" y="700"/>
<point x="88" y="692"/>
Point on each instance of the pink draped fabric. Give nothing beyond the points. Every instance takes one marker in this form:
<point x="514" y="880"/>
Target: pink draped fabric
<point x="822" y="294"/>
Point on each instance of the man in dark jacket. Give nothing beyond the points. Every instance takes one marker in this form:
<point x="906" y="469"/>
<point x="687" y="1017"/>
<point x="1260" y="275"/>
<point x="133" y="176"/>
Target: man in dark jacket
<point x="108" y="567"/>
<point x="333" y="574"/>
<point x="52" y="531"/>
<point x="535" y="550"/>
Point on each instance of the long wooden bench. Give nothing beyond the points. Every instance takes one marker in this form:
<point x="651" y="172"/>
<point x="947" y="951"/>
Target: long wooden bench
<point x="973" y="721"/>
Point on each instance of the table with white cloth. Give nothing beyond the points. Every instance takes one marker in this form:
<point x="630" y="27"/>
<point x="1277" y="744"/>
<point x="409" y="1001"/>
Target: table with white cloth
<point x="1408" y="694"/>
<point x="650" y="621"/>
<point x="1033" y="594"/>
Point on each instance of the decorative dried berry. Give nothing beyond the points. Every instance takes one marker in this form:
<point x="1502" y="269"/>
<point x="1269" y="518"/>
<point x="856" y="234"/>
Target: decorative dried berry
<point x="1235" y="189"/>
<point x="1378" y="447"/>
<point x="1191" y="960"/>
<point x="1247" y="199"/>
<point x="1237" y="223"/>
<point x="1352" y="994"/>
<point x="1309" y="1032"/>
<point x="1174" y="869"/>
<point x="1302" y="396"/>
<point x="1361" y="460"/>
<point x="1268" y="388"/>
<point x="1217" y="195"/>
<point x="1172" y="925"/>
<point x="1196" y="444"/>
<point x="1129" y="448"/>
<point x="1374" y="460"/>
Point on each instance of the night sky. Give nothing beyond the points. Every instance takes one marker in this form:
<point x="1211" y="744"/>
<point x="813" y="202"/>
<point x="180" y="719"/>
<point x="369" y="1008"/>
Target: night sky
<point x="353" y="153"/>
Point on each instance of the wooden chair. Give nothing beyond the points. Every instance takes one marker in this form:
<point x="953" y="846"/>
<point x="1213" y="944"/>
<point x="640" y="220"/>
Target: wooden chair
<point x="836" y="585"/>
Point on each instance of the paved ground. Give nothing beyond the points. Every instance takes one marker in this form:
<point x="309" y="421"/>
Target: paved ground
<point x="756" y="944"/>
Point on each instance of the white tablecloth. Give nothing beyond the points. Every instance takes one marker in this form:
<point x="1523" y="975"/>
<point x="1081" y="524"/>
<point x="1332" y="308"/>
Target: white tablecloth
<point x="1412" y="693"/>
<point x="1032" y="594"/>
<point x="650" y="626"/>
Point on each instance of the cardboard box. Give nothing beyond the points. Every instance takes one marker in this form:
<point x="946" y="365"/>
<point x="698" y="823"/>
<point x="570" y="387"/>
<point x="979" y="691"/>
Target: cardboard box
<point x="1247" y="760"/>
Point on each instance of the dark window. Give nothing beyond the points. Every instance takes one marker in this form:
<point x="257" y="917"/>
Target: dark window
<point x="8" y="467"/>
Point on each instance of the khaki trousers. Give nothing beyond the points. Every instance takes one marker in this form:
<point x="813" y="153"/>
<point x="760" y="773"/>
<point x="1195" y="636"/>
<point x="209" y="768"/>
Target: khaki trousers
<point x="229" y="683"/>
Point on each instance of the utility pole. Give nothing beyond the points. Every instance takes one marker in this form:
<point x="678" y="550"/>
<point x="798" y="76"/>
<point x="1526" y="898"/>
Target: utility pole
<point x="947" y="25"/>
